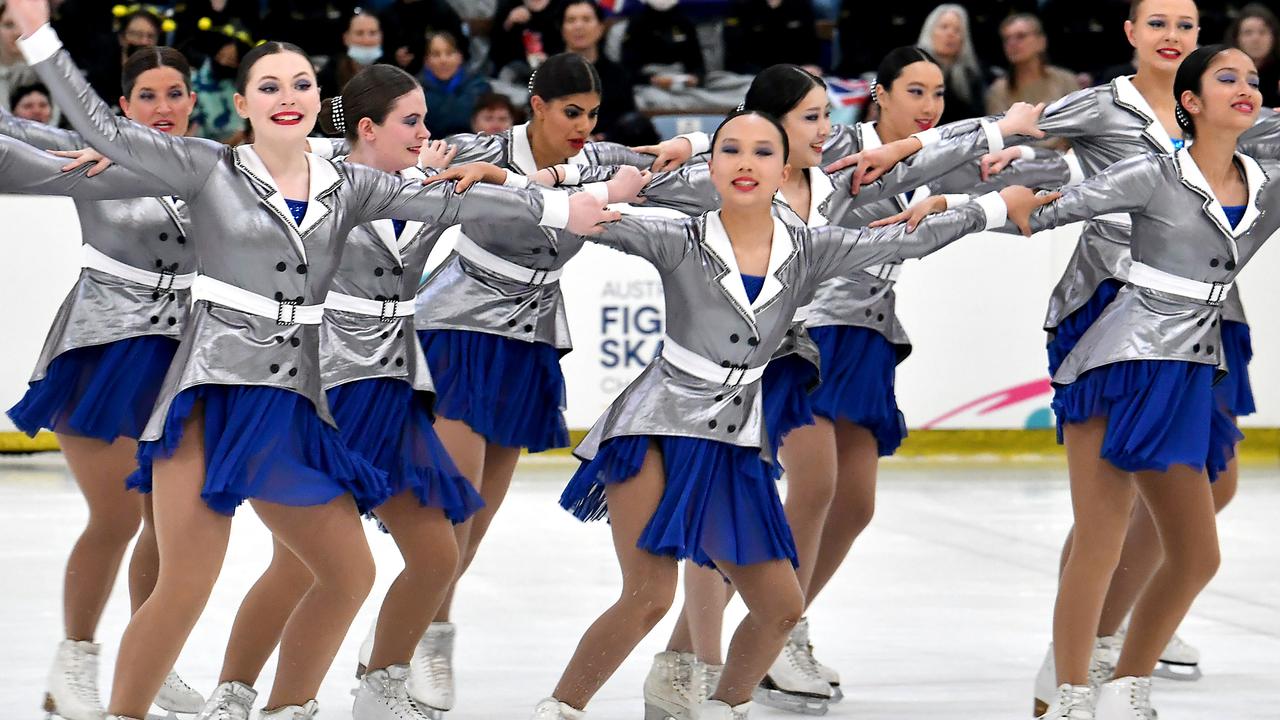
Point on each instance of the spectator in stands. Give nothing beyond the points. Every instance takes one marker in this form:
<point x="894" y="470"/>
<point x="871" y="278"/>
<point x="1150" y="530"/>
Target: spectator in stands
<point x="523" y="34"/>
<point x="946" y="36"/>
<point x="451" y="89"/>
<point x="31" y="102"/>
<point x="214" y="85"/>
<point x="1257" y="32"/>
<point x="362" y="42"/>
<point x="760" y="33"/>
<point x="14" y="72"/>
<point x="406" y="24"/>
<point x="582" y="28"/>
<point x="134" y="31"/>
<point x="494" y="113"/>
<point x="195" y="20"/>
<point x="1031" y="78"/>
<point x="661" y="47"/>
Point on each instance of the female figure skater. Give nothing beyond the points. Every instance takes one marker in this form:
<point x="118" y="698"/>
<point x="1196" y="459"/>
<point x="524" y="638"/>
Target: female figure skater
<point x="808" y="198"/>
<point x="491" y="320"/>
<point x="242" y="415"/>
<point x="100" y="372"/>
<point x="1135" y="397"/>
<point x="678" y="462"/>
<point x="380" y="392"/>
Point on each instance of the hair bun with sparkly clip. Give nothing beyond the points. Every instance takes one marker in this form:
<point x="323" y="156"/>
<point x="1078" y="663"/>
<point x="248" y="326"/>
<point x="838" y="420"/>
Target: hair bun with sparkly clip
<point x="875" y="97"/>
<point x="532" y="75"/>
<point x="338" y="114"/>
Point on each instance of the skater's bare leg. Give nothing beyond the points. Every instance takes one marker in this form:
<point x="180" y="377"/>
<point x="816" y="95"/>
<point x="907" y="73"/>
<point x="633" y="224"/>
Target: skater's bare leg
<point x="430" y="551"/>
<point x="1102" y="501"/>
<point x="144" y="563"/>
<point x="700" y="626"/>
<point x="329" y="540"/>
<point x="1182" y="507"/>
<point x="99" y="469"/>
<point x="648" y="587"/>
<point x="857" y="460"/>
<point x="809" y="455"/>
<point x="263" y="613"/>
<point x="775" y="603"/>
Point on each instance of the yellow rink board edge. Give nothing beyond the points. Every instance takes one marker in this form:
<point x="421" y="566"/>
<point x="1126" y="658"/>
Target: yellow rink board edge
<point x="1261" y="445"/>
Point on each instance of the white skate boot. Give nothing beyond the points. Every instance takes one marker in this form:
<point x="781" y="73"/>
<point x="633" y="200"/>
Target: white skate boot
<point x="1126" y="698"/>
<point x="1179" y="661"/>
<point x="1106" y="651"/>
<point x="717" y="710"/>
<point x="229" y="701"/>
<point x="553" y="709"/>
<point x="669" y="690"/>
<point x="431" y="671"/>
<point x="800" y="635"/>
<point x="310" y="711"/>
<point x="1070" y="702"/>
<point x="382" y="695"/>
<point x="792" y="684"/>
<point x="176" y="696"/>
<point x="73" y="682"/>
<point x="705" y="680"/>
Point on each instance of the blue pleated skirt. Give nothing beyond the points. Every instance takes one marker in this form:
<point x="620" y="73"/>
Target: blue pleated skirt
<point x="785" y="397"/>
<point x="720" y="501"/>
<point x="1072" y="328"/>
<point x="100" y="391"/>
<point x="858" y="370"/>
<point x="509" y="391"/>
<point x="264" y="443"/>
<point x="1159" y="413"/>
<point x="1235" y="391"/>
<point x="388" y="423"/>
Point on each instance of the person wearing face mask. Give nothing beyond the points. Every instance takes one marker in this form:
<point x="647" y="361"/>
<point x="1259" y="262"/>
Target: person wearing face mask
<point x="363" y="42"/>
<point x="452" y="90"/>
<point x="661" y="47"/>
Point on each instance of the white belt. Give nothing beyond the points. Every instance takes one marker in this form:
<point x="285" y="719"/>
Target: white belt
<point x="888" y="272"/>
<point x="688" y="361"/>
<point x="1144" y="275"/>
<point x="467" y="248"/>
<point x="284" y="312"/>
<point x="385" y="310"/>
<point x="163" y="281"/>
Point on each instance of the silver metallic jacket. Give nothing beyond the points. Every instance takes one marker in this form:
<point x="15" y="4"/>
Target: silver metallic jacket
<point x="245" y="237"/>
<point x="461" y="295"/>
<point x="146" y="233"/>
<point x="1180" y="230"/>
<point x="711" y="324"/>
<point x="1107" y="124"/>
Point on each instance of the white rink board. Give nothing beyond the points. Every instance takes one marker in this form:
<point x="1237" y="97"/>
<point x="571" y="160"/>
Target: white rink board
<point x="973" y="311"/>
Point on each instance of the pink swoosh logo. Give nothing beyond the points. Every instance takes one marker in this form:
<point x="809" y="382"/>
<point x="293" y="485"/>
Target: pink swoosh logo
<point x="997" y="401"/>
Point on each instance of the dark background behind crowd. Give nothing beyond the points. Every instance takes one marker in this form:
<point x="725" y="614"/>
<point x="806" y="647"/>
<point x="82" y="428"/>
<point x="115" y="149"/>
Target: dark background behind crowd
<point x="656" y="57"/>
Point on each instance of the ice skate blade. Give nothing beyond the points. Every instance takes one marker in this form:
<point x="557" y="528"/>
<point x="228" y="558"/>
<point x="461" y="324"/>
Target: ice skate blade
<point x="653" y="711"/>
<point x="836" y="694"/>
<point x="360" y="671"/>
<point x="1177" y="671"/>
<point x="1040" y="708"/>
<point x="799" y="704"/>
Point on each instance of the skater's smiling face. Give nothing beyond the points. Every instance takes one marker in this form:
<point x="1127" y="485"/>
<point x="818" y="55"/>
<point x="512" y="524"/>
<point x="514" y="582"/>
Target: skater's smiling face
<point x="1222" y="97"/>
<point x="1163" y="32"/>
<point x="276" y="91"/>
<point x="748" y="160"/>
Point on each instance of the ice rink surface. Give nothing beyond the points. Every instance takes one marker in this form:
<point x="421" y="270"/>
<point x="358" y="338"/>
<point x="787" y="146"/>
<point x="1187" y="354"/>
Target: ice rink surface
<point x="943" y="610"/>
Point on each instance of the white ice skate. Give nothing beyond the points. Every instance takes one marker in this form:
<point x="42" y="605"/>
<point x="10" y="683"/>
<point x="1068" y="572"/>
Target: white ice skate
<point x="1126" y="698"/>
<point x="229" y="701"/>
<point x="706" y="678"/>
<point x="176" y="696"/>
<point x="310" y="711"/>
<point x="1070" y="702"/>
<point x="382" y="695"/>
<point x="792" y="684"/>
<point x="431" y="670"/>
<point x="800" y="635"/>
<point x="1179" y="661"/>
<point x="1106" y="652"/>
<point x="670" y="692"/>
<point x="717" y="710"/>
<point x="553" y="709"/>
<point x="73" y="682"/>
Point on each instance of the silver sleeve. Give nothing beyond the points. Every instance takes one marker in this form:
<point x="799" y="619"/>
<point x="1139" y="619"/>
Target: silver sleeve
<point x="1125" y="187"/>
<point x="26" y="170"/>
